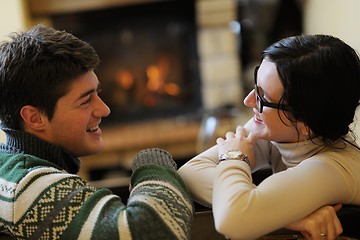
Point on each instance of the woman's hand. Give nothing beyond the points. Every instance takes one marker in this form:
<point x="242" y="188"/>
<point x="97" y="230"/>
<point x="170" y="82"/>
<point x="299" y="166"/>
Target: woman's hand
<point x="320" y="225"/>
<point x="239" y="140"/>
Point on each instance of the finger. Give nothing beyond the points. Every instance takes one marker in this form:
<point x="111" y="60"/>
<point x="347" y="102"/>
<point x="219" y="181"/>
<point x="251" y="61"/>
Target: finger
<point x="338" y="226"/>
<point x="251" y="138"/>
<point x="333" y="228"/>
<point x="306" y="235"/>
<point x="315" y="225"/>
<point x="219" y="140"/>
<point x="324" y="235"/>
<point x="230" y="135"/>
<point x="337" y="207"/>
<point x="334" y="224"/>
<point x="240" y="131"/>
<point x="327" y="227"/>
<point x="332" y="231"/>
<point x="321" y="233"/>
<point x="329" y="232"/>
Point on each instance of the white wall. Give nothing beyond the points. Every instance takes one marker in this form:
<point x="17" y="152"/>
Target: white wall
<point x="335" y="17"/>
<point x="12" y="18"/>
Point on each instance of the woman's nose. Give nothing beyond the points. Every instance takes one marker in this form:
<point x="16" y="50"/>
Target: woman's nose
<point x="250" y="100"/>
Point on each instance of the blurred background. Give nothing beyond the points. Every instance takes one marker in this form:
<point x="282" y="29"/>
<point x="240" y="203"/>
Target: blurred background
<point x="175" y="72"/>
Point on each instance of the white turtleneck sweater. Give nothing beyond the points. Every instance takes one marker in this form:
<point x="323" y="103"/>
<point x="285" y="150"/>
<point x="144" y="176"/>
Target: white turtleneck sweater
<point x="305" y="178"/>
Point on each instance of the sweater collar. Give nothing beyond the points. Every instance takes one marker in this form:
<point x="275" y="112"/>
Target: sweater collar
<point x="20" y="142"/>
<point x="294" y="153"/>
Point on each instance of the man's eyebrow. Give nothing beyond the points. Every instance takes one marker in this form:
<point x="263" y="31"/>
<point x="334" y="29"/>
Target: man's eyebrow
<point x="87" y="93"/>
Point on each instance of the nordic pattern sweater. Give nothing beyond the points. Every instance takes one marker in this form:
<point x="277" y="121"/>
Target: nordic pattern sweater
<point x="42" y="198"/>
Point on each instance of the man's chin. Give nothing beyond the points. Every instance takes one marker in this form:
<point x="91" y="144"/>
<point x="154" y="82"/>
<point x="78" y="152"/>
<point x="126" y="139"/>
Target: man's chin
<point x="90" y="151"/>
<point x="96" y="150"/>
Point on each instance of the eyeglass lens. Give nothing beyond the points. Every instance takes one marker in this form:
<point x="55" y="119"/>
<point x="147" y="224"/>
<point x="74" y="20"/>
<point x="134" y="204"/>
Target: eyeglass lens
<point x="259" y="102"/>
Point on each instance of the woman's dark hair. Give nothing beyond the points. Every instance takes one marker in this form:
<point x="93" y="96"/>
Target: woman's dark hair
<point x="321" y="79"/>
<point x="37" y="68"/>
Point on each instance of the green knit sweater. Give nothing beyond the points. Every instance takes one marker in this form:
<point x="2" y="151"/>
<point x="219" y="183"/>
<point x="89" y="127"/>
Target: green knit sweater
<point x="42" y="198"/>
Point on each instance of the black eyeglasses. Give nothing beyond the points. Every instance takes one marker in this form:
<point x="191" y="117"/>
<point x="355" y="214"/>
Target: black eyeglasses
<point x="261" y="102"/>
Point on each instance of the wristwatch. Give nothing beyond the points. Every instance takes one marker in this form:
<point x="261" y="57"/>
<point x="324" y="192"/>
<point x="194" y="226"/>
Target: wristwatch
<point x="234" y="155"/>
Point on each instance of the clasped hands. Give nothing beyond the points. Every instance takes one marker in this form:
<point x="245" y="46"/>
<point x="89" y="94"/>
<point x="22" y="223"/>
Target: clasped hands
<point x="321" y="224"/>
<point x="239" y="140"/>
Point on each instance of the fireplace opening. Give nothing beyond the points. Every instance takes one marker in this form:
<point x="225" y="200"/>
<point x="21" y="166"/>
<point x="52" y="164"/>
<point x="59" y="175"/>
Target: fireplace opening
<point x="149" y="61"/>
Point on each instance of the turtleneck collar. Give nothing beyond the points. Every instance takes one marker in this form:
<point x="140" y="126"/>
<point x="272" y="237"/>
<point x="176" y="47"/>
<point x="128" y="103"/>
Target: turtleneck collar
<point x="294" y="153"/>
<point x="25" y="143"/>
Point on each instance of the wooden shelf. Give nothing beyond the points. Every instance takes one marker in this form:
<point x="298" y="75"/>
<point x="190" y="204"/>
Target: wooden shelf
<point x="124" y="141"/>
<point x="149" y="134"/>
<point x="51" y="7"/>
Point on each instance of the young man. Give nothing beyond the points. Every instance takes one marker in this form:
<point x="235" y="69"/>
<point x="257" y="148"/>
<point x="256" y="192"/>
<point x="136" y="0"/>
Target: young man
<point x="50" y="112"/>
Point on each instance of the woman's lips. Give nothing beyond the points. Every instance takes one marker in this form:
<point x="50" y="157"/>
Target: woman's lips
<point x="257" y="119"/>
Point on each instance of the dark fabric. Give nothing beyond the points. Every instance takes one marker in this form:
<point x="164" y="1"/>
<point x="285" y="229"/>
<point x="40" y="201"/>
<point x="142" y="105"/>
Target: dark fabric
<point x="349" y="215"/>
<point x="19" y="142"/>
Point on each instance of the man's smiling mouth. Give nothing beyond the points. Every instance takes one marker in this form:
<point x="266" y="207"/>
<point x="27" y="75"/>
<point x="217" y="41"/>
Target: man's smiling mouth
<point x="93" y="129"/>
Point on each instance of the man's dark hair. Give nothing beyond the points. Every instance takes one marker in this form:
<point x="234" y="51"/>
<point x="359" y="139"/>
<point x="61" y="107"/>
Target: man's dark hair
<point x="37" y="68"/>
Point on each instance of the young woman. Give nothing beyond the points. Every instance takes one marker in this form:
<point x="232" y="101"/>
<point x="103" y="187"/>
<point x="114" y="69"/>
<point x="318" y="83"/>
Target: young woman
<point x="306" y="91"/>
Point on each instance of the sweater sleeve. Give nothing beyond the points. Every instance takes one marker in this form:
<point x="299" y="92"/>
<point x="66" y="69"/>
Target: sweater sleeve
<point x="245" y="211"/>
<point x="159" y="198"/>
<point x="159" y="206"/>
<point x="198" y="173"/>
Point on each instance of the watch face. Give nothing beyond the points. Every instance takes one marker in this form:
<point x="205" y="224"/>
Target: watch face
<point x="234" y="154"/>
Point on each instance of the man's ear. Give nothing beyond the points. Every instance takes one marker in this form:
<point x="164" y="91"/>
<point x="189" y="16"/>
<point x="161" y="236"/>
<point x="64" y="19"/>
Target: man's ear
<point x="32" y="117"/>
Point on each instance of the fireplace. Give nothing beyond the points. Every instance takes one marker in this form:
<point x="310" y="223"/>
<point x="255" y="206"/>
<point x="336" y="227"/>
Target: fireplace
<point x="194" y="35"/>
<point x="148" y="52"/>
<point x="210" y="75"/>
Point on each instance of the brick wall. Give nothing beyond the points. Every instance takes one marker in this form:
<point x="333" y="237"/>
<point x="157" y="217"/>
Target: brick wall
<point x="218" y="52"/>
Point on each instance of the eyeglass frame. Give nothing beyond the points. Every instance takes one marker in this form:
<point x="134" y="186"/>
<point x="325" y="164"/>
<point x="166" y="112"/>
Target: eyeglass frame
<point x="261" y="102"/>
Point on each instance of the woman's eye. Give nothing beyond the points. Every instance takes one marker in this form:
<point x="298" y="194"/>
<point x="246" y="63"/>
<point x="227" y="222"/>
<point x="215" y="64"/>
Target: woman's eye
<point x="265" y="99"/>
<point x="261" y="94"/>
